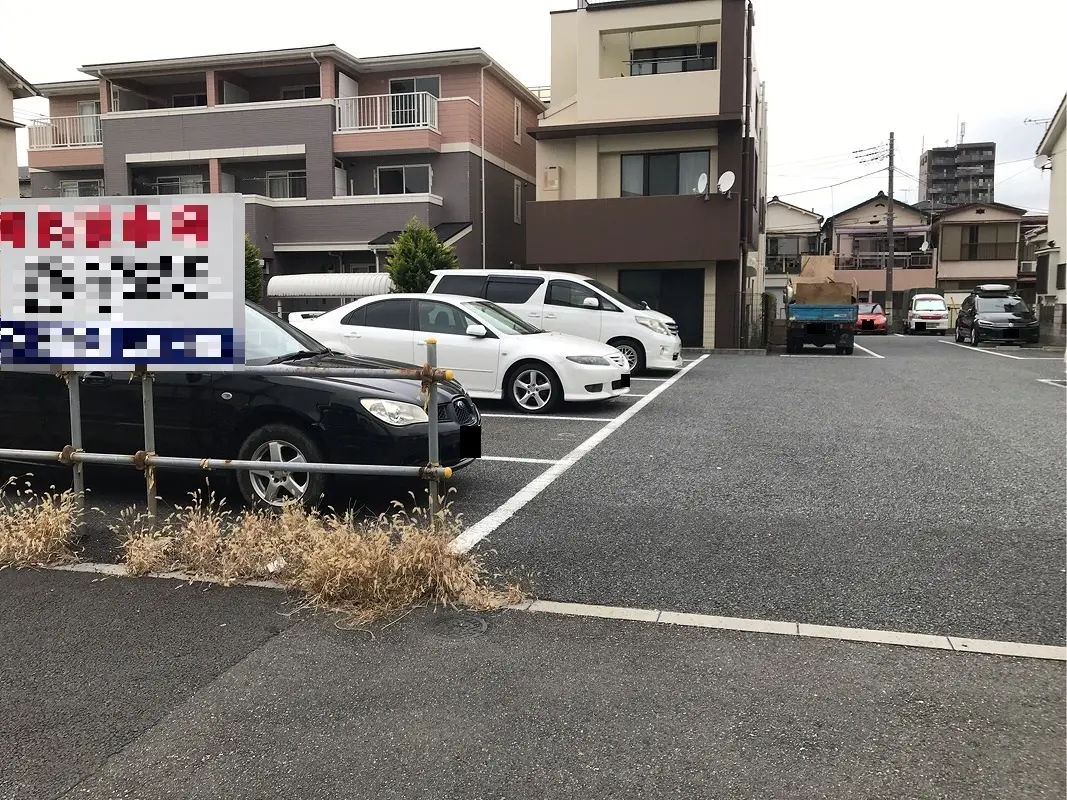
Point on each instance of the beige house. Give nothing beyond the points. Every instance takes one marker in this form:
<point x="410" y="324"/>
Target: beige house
<point x="652" y="103"/>
<point x="12" y="87"/>
<point x="858" y="240"/>
<point x="792" y="233"/>
<point x="977" y="243"/>
<point x="1052" y="258"/>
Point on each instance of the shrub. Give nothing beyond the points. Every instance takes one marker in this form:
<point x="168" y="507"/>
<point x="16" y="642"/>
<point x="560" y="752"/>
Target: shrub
<point x="415" y="254"/>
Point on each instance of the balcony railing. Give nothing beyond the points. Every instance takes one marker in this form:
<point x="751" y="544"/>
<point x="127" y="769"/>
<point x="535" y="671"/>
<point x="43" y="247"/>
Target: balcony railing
<point x="83" y="131"/>
<point x="784" y="265"/>
<point x="988" y="251"/>
<point x="385" y="112"/>
<point x="881" y="260"/>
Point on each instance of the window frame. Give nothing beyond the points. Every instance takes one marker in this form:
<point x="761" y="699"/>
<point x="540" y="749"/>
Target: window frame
<point x="181" y="181"/>
<point x="455" y="310"/>
<point x="288" y="175"/>
<point x="522" y="280"/>
<point x="193" y="95"/>
<point x="683" y="58"/>
<point x="403" y="168"/>
<point x="440" y="288"/>
<point x="303" y="89"/>
<point x="416" y="79"/>
<point x="604" y="305"/>
<point x="646" y="157"/>
<point x="77" y="182"/>
<point x="517" y="197"/>
<point x="517" y="121"/>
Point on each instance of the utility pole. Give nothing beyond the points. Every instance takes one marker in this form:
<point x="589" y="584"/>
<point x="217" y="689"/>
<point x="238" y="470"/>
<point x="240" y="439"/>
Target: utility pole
<point x="889" y="236"/>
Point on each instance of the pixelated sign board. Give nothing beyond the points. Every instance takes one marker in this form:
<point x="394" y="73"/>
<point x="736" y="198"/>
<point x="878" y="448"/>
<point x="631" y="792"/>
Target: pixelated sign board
<point x="118" y="282"/>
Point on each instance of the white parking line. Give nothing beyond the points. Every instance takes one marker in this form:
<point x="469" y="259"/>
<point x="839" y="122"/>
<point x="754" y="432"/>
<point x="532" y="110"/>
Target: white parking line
<point x="485" y="526"/>
<point x="1053" y="382"/>
<point x="780" y="627"/>
<point x="518" y="460"/>
<point x="536" y="417"/>
<point x="901" y="335"/>
<point x="865" y="350"/>
<point x="973" y="349"/>
<point x="657" y="380"/>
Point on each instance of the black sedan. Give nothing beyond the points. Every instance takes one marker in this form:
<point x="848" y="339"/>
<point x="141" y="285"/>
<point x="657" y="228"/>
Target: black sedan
<point x="269" y="419"/>
<point x="995" y="313"/>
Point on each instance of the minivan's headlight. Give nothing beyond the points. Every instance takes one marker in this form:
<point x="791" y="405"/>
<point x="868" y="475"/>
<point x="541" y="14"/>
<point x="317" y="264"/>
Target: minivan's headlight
<point x="653" y="325"/>
<point x="593" y="361"/>
<point x="394" y="413"/>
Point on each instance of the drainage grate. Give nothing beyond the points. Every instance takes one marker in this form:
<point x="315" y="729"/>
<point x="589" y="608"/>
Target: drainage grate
<point x="454" y="625"/>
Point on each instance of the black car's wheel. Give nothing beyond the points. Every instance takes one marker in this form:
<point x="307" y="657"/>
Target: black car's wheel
<point x="959" y="336"/>
<point x="533" y="388"/>
<point x="634" y="352"/>
<point x="974" y="336"/>
<point x="269" y="488"/>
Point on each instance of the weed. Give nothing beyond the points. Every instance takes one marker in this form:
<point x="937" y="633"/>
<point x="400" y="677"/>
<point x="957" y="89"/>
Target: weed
<point x="36" y="529"/>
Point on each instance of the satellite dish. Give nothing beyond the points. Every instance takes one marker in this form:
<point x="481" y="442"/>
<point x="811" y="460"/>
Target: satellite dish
<point x="1041" y="161"/>
<point x="924" y="246"/>
<point x="726" y="182"/>
<point x="702" y="183"/>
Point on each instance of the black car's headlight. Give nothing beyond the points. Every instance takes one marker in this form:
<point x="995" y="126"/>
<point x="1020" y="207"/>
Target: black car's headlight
<point x="394" y="413"/>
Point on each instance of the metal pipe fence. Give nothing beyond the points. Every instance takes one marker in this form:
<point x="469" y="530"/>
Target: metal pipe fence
<point x="147" y="460"/>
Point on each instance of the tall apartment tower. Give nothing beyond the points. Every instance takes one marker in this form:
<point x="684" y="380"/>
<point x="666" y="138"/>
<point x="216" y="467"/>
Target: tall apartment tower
<point x="957" y="175"/>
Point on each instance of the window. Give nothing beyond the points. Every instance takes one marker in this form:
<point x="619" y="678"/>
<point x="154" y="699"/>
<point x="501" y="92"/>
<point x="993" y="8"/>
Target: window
<point x="467" y="285"/>
<point x="682" y="58"/>
<point x="285" y="183"/>
<point x="511" y="290"/>
<point x="413" y="179"/>
<point x="394" y="314"/>
<point x="989" y="242"/>
<point x="179" y="184"/>
<point x="300" y="92"/>
<point x="357" y="317"/>
<point x="267" y="338"/>
<point x="517" y="201"/>
<point x="569" y="294"/>
<point x="431" y="84"/>
<point x="652" y="174"/>
<point x="189" y="100"/>
<point x="437" y="317"/>
<point x="870" y="308"/>
<point x="930" y="305"/>
<point x="1001" y="305"/>
<point x="517" y="124"/>
<point x="1061" y="276"/>
<point x="501" y="320"/>
<point x="86" y="188"/>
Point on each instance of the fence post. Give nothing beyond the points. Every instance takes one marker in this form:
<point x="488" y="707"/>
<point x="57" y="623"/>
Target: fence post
<point x="74" y="393"/>
<point x="435" y="443"/>
<point x="148" y="406"/>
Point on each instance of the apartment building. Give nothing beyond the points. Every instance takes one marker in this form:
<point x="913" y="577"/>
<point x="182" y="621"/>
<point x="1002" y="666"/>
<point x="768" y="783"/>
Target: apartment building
<point x="792" y="233"/>
<point x="12" y="87"/>
<point x="858" y="238"/>
<point x="977" y="243"/>
<point x="334" y="153"/>
<point x="958" y="175"/>
<point x="652" y="102"/>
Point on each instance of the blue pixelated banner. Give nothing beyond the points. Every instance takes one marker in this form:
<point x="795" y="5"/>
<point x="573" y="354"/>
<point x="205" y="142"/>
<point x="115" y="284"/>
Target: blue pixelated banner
<point x="78" y="344"/>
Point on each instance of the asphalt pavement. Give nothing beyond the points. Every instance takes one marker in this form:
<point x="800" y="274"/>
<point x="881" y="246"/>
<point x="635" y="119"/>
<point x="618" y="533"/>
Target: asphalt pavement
<point x="921" y="491"/>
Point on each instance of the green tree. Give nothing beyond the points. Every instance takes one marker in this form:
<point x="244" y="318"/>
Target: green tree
<point x="415" y="254"/>
<point x="253" y="272"/>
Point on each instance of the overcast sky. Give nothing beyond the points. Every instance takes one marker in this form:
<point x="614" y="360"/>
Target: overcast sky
<point x="840" y="74"/>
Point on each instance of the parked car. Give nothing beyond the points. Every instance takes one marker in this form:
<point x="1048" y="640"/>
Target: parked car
<point x="493" y="352"/>
<point x="574" y="304"/>
<point x="993" y="312"/>
<point x="269" y="419"/>
<point x="872" y="319"/>
<point x="927" y="313"/>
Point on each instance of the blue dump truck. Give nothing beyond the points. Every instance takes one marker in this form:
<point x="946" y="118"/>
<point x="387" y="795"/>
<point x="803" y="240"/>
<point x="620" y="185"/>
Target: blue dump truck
<point x="821" y="314"/>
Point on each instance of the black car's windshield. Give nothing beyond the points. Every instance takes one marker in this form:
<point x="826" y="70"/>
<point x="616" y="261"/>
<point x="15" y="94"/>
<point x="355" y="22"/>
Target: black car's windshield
<point x="618" y="298"/>
<point x="870" y="308"/>
<point x="1001" y="305"/>
<point x="500" y="319"/>
<point x="269" y="339"/>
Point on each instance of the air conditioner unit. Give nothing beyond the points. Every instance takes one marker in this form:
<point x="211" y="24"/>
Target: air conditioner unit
<point x="551" y="179"/>
<point x="1027" y="266"/>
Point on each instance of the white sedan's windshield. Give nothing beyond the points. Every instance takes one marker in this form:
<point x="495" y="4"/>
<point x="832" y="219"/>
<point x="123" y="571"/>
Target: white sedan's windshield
<point x="499" y="319"/>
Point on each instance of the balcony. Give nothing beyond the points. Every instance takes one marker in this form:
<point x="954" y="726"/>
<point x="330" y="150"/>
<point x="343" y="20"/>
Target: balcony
<point x="631" y="230"/>
<point x="387" y="123"/>
<point x="783" y="265"/>
<point x="66" y="142"/>
<point x="878" y="261"/>
<point x="987" y="251"/>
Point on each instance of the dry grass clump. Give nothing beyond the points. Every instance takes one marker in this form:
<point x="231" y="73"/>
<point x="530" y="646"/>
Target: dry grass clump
<point x="36" y="529"/>
<point x="368" y="569"/>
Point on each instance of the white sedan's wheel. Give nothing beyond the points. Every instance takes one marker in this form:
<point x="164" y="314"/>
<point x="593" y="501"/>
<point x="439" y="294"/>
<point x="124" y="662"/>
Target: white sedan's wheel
<point x="534" y="389"/>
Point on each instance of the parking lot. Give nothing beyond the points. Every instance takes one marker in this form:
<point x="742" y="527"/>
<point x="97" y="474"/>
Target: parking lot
<point x="913" y="489"/>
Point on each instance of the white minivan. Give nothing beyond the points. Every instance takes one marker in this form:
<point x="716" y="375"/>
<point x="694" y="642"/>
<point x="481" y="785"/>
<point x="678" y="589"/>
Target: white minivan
<point x="574" y="304"/>
<point x="927" y="313"/>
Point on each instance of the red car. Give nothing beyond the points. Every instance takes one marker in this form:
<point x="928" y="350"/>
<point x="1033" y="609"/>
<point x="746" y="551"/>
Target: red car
<point x="872" y="319"/>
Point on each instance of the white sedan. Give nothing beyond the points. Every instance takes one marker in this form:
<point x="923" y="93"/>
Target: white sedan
<point x="492" y="352"/>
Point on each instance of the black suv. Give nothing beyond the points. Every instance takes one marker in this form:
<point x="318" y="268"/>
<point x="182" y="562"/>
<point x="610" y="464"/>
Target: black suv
<point x="993" y="312"/>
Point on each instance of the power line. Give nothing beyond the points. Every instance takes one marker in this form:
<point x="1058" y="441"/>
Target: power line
<point x="832" y="185"/>
<point x="843" y="157"/>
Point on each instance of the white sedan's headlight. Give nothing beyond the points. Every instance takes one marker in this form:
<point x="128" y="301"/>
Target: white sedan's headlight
<point x="394" y="413"/>
<point x="593" y="361"/>
<point x="653" y="325"/>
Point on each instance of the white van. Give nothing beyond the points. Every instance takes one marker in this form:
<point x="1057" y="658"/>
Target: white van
<point x="927" y="313"/>
<point x="574" y="304"/>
